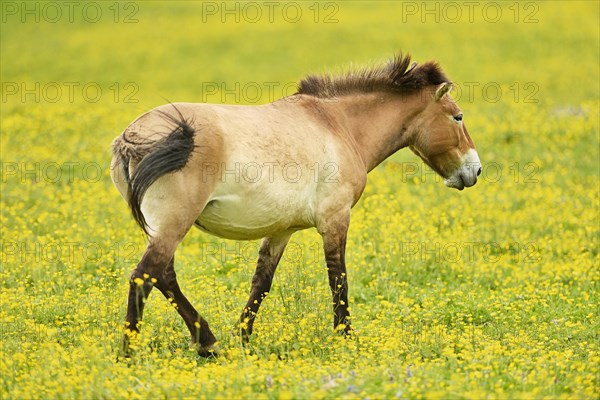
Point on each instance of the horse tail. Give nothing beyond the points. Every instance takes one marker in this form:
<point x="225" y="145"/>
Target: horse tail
<point x="169" y="154"/>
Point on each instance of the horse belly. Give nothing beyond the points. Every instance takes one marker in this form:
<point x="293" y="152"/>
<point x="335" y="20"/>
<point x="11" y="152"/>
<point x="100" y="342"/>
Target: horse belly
<point x="241" y="213"/>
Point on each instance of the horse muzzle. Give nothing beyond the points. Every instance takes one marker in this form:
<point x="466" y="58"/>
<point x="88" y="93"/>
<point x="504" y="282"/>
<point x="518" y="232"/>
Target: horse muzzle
<point x="465" y="175"/>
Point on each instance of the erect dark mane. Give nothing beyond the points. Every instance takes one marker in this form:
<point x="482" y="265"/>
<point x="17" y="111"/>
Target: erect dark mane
<point x="394" y="76"/>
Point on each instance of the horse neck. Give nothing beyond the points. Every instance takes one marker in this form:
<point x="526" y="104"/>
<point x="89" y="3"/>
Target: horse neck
<point x="380" y="123"/>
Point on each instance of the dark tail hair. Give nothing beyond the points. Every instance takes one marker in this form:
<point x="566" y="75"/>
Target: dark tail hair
<point x="167" y="155"/>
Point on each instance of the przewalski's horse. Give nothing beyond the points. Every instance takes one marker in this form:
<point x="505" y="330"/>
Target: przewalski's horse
<point x="267" y="171"/>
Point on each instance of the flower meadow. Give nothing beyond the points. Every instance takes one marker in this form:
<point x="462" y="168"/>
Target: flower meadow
<point x="491" y="292"/>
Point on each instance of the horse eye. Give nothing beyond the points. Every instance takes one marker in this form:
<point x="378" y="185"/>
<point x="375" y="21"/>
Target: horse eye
<point x="458" y="117"/>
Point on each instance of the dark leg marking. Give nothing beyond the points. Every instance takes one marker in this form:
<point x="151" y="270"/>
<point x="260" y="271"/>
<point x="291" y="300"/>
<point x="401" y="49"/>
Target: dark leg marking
<point x="269" y="255"/>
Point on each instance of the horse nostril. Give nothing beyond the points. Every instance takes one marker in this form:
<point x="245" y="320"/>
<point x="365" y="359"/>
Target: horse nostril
<point x="479" y="171"/>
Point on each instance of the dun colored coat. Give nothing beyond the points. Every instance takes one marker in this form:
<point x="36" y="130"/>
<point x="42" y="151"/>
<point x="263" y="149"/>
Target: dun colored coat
<point x="267" y="171"/>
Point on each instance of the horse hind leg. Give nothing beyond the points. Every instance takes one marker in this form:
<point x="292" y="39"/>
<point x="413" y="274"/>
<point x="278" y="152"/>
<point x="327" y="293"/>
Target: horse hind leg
<point x="202" y="337"/>
<point x="157" y="269"/>
<point x="170" y="214"/>
<point x="142" y="281"/>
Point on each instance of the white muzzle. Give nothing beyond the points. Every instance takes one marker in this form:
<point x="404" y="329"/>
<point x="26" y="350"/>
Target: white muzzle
<point x="466" y="174"/>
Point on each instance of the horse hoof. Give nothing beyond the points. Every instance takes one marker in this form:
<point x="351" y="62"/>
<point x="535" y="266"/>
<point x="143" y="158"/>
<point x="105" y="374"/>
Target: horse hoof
<point x="209" y="351"/>
<point x="245" y="336"/>
<point x="241" y="333"/>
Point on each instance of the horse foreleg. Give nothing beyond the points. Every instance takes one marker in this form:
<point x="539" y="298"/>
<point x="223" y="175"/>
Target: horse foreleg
<point x="202" y="337"/>
<point x="334" y="244"/>
<point x="269" y="255"/>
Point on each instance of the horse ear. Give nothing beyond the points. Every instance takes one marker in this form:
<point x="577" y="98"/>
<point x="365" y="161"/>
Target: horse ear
<point x="442" y="90"/>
